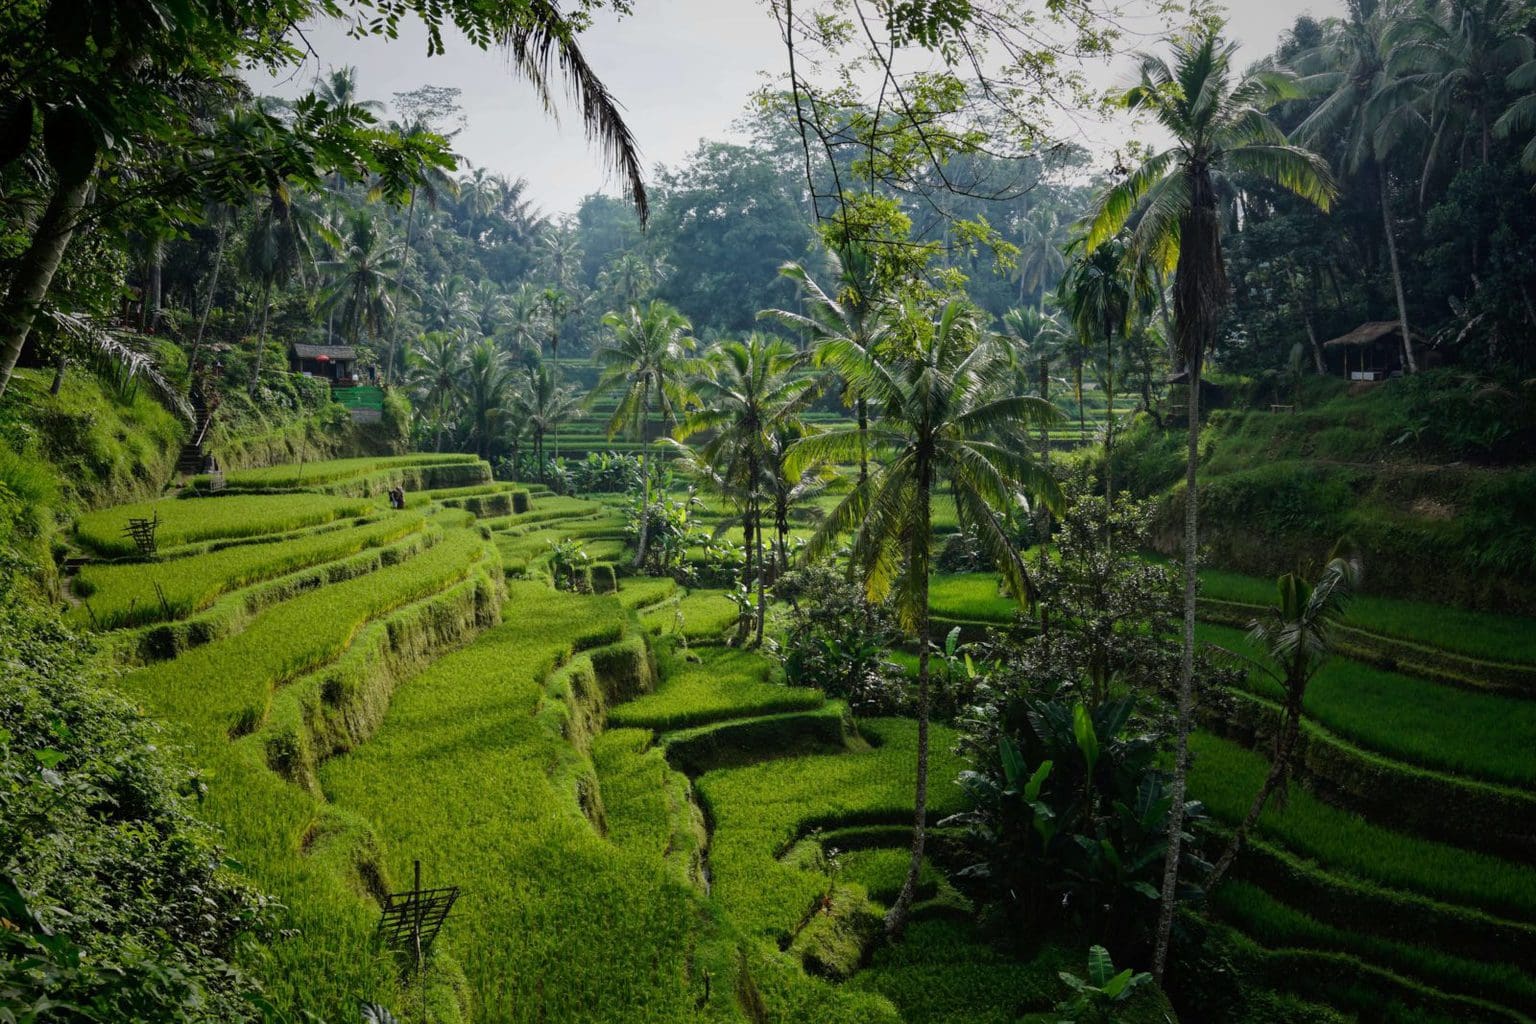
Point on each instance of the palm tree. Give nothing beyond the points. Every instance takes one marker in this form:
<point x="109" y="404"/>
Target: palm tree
<point x="487" y="379"/>
<point x="1100" y="290"/>
<point x="1218" y="127"/>
<point x="488" y="307"/>
<point x="1457" y="56"/>
<point x="642" y="363"/>
<point x="1521" y="115"/>
<point x="852" y="313"/>
<point x="559" y="256"/>
<point x="1040" y="263"/>
<point x="543" y="404"/>
<point x="1367" y="111"/>
<point x="438" y="376"/>
<point x="446" y="306"/>
<point x="524" y="311"/>
<point x="628" y="277"/>
<point x="278" y="247"/>
<point x="935" y="423"/>
<point x="747" y="392"/>
<point x="1297" y="637"/>
<point x="360" y="278"/>
<point x="1034" y="340"/>
<point x="432" y="184"/>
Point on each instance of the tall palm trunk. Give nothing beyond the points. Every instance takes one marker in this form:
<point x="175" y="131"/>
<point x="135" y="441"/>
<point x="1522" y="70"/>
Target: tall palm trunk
<point x="261" y="335"/>
<point x="213" y="288"/>
<point x="1285" y="745"/>
<point x="862" y="408"/>
<point x="34" y="271"/>
<point x="645" y="478"/>
<point x="1200" y="289"/>
<point x="917" y="562"/>
<point x="1397" y="273"/>
<point x="1109" y="420"/>
<point x="405" y="261"/>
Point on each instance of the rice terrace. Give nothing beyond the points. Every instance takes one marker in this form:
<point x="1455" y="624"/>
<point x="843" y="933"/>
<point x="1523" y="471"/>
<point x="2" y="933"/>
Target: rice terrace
<point x="756" y="511"/>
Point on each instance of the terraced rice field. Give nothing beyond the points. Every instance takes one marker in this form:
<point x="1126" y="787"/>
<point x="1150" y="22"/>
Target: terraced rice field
<point x="619" y="797"/>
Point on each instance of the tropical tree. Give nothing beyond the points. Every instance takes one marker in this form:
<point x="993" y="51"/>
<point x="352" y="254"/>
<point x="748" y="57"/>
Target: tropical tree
<point x="278" y="247"/>
<point x="1297" y="636"/>
<point x="1520" y="117"/>
<point x="642" y="362"/>
<point x="543" y="404"/>
<point x="747" y="392"/>
<point x="360" y="276"/>
<point x="1099" y="291"/>
<point x="447" y="306"/>
<point x="851" y="314"/>
<point x="935" y="425"/>
<point x="1456" y="57"/>
<point x="487" y="381"/>
<point x="1366" y="112"/>
<point x="432" y="184"/>
<point x="1218" y="127"/>
<point x="438" y="377"/>
<point x="524" y="312"/>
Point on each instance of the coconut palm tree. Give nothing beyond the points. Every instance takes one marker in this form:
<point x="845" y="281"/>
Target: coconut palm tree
<point x="642" y="363"/>
<point x="487" y="380"/>
<point x="360" y="276"/>
<point x="543" y="404"/>
<point x="1457" y="56"/>
<point x="279" y="247"/>
<point x="1520" y="117"/>
<point x="438" y="377"/>
<point x="747" y="391"/>
<point x="1100" y="290"/>
<point x="1367" y="111"/>
<point x="851" y="313"/>
<point x="1218" y="126"/>
<point x="447" y="306"/>
<point x="935" y="425"/>
<point x="432" y="185"/>
<point x="1297" y="636"/>
<point x="524" y="312"/>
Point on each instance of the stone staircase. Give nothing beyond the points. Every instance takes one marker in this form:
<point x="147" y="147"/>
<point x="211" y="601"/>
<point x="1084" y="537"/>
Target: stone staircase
<point x="193" y="459"/>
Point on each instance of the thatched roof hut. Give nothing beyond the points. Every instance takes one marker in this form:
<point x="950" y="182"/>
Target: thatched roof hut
<point x="1372" y="351"/>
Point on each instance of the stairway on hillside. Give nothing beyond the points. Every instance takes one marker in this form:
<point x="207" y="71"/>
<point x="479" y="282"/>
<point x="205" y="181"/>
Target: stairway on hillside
<point x="193" y="459"/>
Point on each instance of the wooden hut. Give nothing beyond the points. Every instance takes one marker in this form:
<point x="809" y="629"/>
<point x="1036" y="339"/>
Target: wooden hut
<point x="1372" y="351"/>
<point x="335" y="363"/>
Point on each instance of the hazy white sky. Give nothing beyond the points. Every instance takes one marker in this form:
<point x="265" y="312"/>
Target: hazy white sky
<point x="682" y="68"/>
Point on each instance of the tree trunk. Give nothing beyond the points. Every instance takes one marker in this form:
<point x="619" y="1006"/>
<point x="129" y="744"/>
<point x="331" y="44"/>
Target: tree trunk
<point x="1317" y="348"/>
<point x="762" y="575"/>
<point x="59" y="366"/>
<point x="1285" y="743"/>
<point x="645" y="503"/>
<point x="862" y="408"/>
<point x="1109" y="423"/>
<point x="1200" y="291"/>
<point x="150" y="314"/>
<point x="1186" y="679"/>
<point x="35" y="270"/>
<point x="1397" y="274"/>
<point x="261" y="335"/>
<point x="405" y="261"/>
<point x="213" y="288"/>
<point x="896" y="917"/>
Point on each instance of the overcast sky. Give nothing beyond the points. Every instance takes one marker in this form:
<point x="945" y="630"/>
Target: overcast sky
<point x="682" y="68"/>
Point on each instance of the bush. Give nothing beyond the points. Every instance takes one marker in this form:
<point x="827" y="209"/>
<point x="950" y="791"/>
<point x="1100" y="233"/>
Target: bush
<point x="836" y="641"/>
<point x="116" y="899"/>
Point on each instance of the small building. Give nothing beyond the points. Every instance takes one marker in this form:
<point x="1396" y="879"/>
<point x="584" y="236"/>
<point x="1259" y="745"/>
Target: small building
<point x="335" y="363"/>
<point x="1372" y="351"/>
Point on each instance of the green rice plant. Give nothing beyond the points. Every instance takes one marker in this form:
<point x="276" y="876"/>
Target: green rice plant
<point x="637" y="592"/>
<point x="329" y="471"/>
<point x="970" y="597"/>
<point x="135" y="593"/>
<point x="227" y="685"/>
<point x="1225" y="776"/>
<point x="1477" y="634"/>
<point x="725" y="683"/>
<point x="761" y="809"/>
<point x="1275" y="924"/>
<point x="881" y="872"/>
<point x="549" y="906"/>
<point x="647" y="804"/>
<point x="702" y="614"/>
<point x="1480" y="735"/>
<point x="187" y="521"/>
